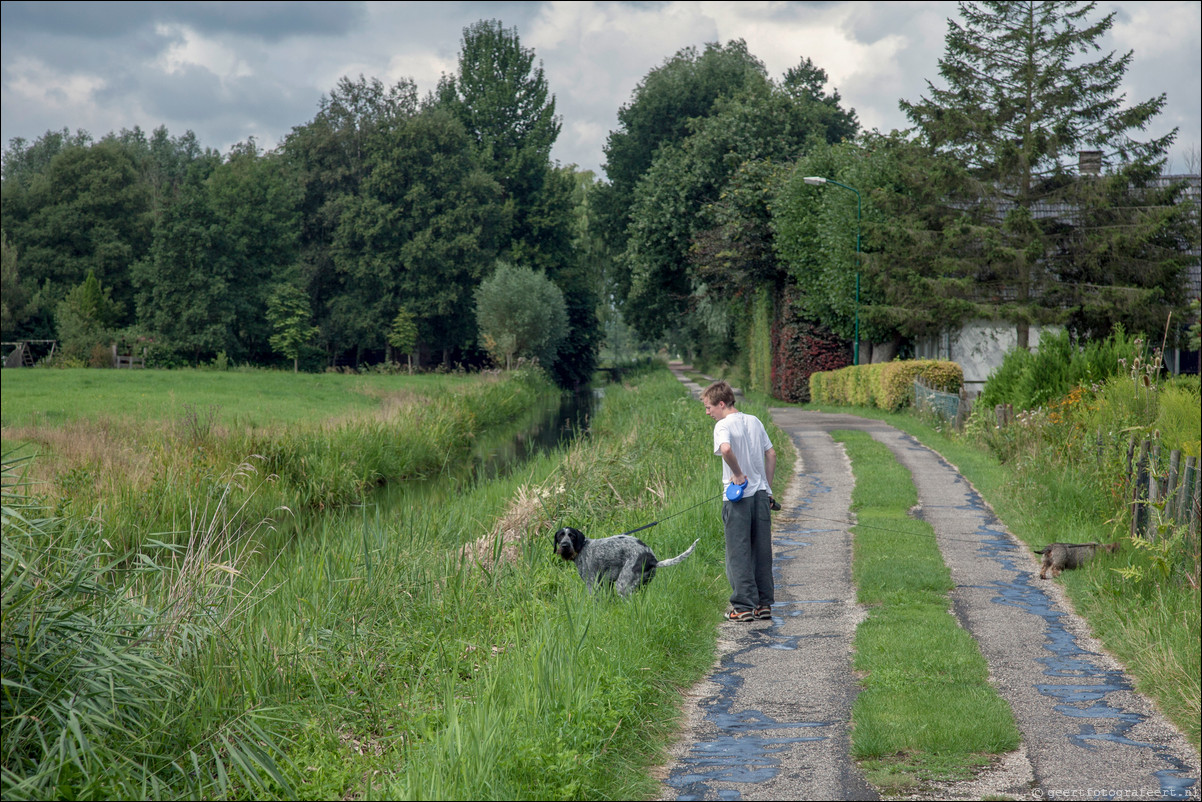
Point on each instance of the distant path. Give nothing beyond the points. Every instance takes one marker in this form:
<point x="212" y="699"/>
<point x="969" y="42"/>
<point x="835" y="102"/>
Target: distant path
<point x="771" y="721"/>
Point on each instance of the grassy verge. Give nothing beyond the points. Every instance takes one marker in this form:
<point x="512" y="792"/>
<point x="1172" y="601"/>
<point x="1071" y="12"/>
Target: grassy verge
<point x="1150" y="622"/>
<point x="589" y="688"/>
<point x="427" y="645"/>
<point x="323" y="441"/>
<point x="927" y="711"/>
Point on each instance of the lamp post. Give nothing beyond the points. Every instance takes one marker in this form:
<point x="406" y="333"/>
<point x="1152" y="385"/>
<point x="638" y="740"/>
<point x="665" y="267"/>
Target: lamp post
<point x="818" y="181"/>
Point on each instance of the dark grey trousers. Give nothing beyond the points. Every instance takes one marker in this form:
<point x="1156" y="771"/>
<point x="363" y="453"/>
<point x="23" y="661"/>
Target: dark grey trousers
<point x="748" y="530"/>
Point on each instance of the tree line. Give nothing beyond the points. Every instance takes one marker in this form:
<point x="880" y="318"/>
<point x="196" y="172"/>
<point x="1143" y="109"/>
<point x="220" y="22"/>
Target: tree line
<point x="386" y="207"/>
<point x="384" y="224"/>
<point x="733" y="231"/>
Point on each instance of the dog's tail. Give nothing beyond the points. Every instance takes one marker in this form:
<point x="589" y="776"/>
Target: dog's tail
<point x="679" y="557"/>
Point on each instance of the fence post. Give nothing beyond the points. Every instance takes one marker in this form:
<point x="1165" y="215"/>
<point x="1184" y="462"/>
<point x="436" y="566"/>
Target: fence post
<point x="1139" y="504"/>
<point x="963" y="410"/>
<point x="1187" y="503"/>
<point x="1171" y="486"/>
<point x="1155" y="488"/>
<point x="1194" y="509"/>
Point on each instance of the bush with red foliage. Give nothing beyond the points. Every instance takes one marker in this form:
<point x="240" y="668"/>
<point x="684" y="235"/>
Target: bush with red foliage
<point x="801" y="347"/>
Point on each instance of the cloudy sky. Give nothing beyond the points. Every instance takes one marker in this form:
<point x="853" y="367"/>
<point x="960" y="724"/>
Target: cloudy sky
<point x="229" y="71"/>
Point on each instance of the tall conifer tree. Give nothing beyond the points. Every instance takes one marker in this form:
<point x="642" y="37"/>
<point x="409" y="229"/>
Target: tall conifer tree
<point x="1023" y="100"/>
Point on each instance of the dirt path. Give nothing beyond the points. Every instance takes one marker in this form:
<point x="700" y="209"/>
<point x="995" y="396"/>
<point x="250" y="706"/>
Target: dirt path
<point x="772" y="720"/>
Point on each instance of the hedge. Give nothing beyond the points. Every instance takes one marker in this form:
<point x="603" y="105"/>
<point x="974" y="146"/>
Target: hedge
<point x="886" y="385"/>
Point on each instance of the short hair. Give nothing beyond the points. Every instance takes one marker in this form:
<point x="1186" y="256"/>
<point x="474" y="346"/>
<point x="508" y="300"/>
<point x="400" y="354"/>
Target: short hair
<point x="719" y="393"/>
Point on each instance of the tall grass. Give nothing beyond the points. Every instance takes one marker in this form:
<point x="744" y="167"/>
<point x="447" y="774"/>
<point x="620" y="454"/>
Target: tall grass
<point x="101" y="700"/>
<point x="426" y="641"/>
<point x="139" y="476"/>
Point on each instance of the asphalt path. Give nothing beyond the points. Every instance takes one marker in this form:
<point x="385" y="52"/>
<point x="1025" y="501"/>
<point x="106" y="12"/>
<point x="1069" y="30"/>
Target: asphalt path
<point x="772" y="720"/>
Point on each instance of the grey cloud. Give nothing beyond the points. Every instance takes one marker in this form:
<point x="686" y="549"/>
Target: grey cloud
<point x="270" y="21"/>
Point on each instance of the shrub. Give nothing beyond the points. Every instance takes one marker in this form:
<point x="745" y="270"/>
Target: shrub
<point x="801" y="349"/>
<point x="887" y="385"/>
<point x="1028" y="380"/>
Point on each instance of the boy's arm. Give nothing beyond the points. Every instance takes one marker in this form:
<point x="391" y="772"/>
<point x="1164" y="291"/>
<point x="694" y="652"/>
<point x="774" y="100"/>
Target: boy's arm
<point x="728" y="455"/>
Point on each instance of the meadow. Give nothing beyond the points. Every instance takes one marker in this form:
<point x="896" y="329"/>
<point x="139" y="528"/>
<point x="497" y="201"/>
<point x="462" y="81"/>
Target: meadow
<point x="421" y="643"/>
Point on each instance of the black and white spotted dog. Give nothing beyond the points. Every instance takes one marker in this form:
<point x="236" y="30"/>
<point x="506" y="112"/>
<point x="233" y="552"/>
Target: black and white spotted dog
<point x="625" y="561"/>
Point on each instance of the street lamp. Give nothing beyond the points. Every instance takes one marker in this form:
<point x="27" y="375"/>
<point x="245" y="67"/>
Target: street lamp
<point x="815" y="180"/>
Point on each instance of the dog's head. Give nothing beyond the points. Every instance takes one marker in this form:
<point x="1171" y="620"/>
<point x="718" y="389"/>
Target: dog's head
<point x="1110" y="548"/>
<point x="569" y="542"/>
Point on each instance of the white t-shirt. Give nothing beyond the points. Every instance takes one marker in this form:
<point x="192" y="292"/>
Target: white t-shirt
<point x="748" y="440"/>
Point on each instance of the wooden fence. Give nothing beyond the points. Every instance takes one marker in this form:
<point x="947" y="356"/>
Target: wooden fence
<point x="1172" y="488"/>
<point x="1155" y="484"/>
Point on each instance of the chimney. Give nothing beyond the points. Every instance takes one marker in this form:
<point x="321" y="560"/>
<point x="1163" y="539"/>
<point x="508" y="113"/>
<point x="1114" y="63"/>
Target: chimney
<point x="1090" y="162"/>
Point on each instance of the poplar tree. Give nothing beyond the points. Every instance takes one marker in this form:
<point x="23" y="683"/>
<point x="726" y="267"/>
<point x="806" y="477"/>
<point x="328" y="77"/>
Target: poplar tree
<point x="1024" y="96"/>
<point x="505" y="104"/>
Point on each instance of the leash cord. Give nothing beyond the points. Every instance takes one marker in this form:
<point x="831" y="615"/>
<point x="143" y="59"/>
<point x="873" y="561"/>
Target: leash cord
<point x="673" y="515"/>
<point x="804" y="515"/>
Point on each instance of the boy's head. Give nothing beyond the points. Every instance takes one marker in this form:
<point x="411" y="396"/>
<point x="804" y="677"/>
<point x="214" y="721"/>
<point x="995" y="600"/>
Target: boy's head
<point x="717" y="398"/>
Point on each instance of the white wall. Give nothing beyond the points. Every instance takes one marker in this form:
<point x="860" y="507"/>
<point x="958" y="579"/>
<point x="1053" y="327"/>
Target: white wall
<point x="979" y="347"/>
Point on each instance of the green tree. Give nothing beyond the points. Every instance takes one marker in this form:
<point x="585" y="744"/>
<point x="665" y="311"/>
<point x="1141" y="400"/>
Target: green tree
<point x="919" y="255"/>
<point x="328" y="159"/>
<point x="85" y="318"/>
<point x="14" y="296"/>
<point x="684" y="88"/>
<point x="522" y="314"/>
<point x="402" y="335"/>
<point x="162" y="161"/>
<point x="686" y="204"/>
<point x="502" y="98"/>
<point x="184" y="293"/>
<point x="1022" y="99"/>
<point x="82" y="209"/>
<point x="228" y="234"/>
<point x="425" y="229"/>
<point x="291" y="319"/>
<point x="581" y="278"/>
<point x="256" y="209"/>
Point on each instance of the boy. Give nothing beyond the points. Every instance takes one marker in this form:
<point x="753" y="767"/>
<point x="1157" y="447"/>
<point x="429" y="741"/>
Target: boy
<point x="748" y="460"/>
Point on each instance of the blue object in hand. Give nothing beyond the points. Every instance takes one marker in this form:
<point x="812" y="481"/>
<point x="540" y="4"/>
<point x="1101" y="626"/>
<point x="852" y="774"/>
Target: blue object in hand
<point x="734" y="492"/>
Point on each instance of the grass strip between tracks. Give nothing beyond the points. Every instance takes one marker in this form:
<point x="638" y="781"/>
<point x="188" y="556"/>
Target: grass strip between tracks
<point x="927" y="711"/>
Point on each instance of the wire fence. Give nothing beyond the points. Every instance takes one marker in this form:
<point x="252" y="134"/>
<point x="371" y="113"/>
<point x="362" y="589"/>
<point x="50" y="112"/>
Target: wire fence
<point x="951" y="407"/>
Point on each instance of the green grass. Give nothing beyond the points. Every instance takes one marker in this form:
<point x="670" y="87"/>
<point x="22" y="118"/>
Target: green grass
<point x="927" y="711"/>
<point x="376" y="661"/>
<point x="242" y="398"/>
<point x="1151" y="622"/>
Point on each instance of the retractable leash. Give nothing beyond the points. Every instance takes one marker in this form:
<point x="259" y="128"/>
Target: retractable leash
<point x="771" y="505"/>
<point x="673" y="515"/>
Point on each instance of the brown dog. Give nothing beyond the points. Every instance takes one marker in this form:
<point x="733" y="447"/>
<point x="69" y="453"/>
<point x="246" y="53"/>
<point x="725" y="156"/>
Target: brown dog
<point x="1059" y="557"/>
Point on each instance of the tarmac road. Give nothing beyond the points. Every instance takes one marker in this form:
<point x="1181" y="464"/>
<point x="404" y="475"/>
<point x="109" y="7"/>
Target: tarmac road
<point x="772" y="719"/>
